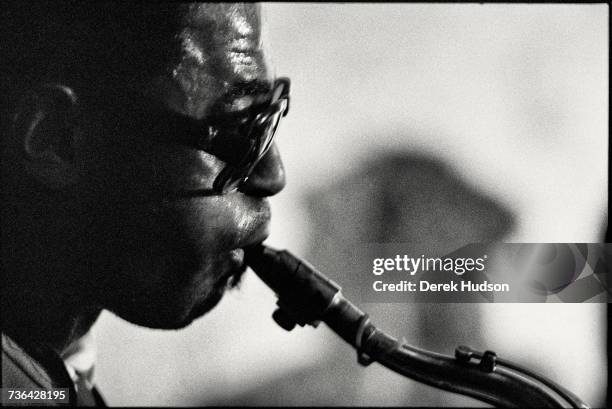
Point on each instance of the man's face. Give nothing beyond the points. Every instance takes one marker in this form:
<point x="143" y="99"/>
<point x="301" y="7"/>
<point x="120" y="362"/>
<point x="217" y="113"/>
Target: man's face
<point x="164" y="246"/>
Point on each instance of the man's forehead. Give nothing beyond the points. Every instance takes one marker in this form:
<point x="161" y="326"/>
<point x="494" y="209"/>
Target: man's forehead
<point x="218" y="54"/>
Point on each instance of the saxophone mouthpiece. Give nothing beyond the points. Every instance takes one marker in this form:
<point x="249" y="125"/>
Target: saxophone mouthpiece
<point x="303" y="293"/>
<point x="272" y="266"/>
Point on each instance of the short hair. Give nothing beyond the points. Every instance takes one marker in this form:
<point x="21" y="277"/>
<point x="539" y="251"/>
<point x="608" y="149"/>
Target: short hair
<point x="87" y="43"/>
<point x="98" y="46"/>
<point x="94" y="47"/>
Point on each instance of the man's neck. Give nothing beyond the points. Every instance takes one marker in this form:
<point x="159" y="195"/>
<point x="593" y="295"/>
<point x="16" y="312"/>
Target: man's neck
<point x="47" y="290"/>
<point x="56" y="326"/>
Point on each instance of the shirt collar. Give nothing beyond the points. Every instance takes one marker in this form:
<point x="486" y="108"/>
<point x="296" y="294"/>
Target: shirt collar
<point x="79" y="359"/>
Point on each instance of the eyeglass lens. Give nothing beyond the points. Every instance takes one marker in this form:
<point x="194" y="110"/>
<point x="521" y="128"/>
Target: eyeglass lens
<point x="232" y="177"/>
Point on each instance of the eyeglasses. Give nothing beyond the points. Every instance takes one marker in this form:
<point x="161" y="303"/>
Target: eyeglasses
<point x="259" y="134"/>
<point x="240" y="139"/>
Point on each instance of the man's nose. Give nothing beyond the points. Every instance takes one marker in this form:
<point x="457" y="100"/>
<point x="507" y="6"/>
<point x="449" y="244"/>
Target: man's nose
<point x="268" y="177"/>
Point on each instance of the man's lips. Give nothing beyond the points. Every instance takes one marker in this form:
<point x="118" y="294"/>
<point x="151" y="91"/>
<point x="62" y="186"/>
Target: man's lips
<point x="253" y="236"/>
<point x="240" y="221"/>
<point x="236" y="270"/>
<point x="260" y="233"/>
<point x="257" y="237"/>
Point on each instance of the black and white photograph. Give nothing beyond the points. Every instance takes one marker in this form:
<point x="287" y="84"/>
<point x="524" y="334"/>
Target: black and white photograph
<point x="304" y="204"/>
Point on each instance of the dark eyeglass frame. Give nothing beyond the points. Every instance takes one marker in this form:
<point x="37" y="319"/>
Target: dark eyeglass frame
<point x="240" y="139"/>
<point x="261" y="130"/>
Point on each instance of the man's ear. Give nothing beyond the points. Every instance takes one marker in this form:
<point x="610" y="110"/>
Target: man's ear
<point x="45" y="127"/>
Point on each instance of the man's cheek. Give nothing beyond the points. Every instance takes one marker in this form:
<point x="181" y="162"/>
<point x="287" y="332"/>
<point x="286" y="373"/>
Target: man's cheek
<point x="210" y="222"/>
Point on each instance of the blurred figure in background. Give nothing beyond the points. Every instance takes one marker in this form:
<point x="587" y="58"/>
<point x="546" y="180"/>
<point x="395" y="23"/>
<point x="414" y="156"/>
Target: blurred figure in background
<point x="396" y="197"/>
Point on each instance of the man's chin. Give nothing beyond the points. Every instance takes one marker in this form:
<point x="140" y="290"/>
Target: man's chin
<point x="172" y="320"/>
<point x="171" y="314"/>
<point x="201" y="309"/>
<point x="213" y="299"/>
<point x="194" y="313"/>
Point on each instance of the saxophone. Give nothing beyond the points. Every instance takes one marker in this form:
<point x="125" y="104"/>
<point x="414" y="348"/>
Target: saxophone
<point x="307" y="297"/>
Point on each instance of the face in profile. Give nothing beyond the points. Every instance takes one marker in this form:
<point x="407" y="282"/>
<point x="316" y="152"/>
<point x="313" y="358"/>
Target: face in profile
<point x="164" y="244"/>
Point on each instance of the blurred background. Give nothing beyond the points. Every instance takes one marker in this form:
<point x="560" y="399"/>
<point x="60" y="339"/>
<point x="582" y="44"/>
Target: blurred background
<point x="424" y="124"/>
